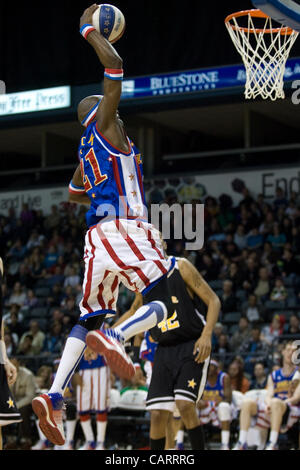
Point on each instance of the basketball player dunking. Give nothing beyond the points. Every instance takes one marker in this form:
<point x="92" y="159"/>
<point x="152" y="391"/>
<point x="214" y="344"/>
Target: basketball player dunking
<point x="120" y="246"/>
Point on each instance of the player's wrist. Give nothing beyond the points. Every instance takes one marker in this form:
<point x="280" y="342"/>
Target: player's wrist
<point x="86" y="29"/>
<point x="114" y="73"/>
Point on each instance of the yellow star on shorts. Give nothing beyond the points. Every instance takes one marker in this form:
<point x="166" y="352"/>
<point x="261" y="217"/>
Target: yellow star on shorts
<point x="10" y="403"/>
<point x="192" y="383"/>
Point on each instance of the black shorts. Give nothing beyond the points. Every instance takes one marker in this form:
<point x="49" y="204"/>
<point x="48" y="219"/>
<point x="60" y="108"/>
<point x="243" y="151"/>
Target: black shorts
<point x="9" y="413"/>
<point x="176" y="376"/>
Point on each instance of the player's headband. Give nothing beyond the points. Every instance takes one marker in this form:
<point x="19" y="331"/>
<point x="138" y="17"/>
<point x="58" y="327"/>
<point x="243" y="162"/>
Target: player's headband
<point x="92" y="113"/>
<point x="214" y="363"/>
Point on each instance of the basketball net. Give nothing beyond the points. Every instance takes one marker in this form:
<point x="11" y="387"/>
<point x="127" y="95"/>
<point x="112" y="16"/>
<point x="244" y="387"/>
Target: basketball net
<point x="264" y="51"/>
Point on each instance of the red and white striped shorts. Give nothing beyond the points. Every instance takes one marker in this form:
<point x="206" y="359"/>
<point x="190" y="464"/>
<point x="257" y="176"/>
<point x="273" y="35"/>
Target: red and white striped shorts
<point x="127" y="251"/>
<point x="94" y="393"/>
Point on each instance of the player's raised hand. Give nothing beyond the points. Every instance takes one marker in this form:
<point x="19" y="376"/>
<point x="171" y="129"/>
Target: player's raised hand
<point x="87" y="17"/>
<point x="202" y="348"/>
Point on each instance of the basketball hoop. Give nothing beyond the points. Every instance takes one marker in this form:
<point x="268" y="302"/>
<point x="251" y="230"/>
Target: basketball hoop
<point x="264" y="49"/>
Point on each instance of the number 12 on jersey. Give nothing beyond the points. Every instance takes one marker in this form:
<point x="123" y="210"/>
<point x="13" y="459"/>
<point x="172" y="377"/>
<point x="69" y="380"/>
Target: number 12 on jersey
<point x="169" y="324"/>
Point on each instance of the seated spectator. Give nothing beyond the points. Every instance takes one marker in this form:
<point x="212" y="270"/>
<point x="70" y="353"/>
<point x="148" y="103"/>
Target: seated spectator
<point x="55" y="340"/>
<point x="44" y="378"/>
<point x="228" y="299"/>
<point x="15" y="326"/>
<point x="10" y="343"/>
<point x="70" y="309"/>
<point x="260" y="378"/>
<point x="24" y="390"/>
<point x="18" y="295"/>
<point x="238" y="379"/>
<point x="241" y="335"/>
<point x="280" y="198"/>
<point x="218" y="330"/>
<point x="72" y="279"/>
<point x="279" y="292"/>
<point x="277" y="238"/>
<point x="254" y="239"/>
<point x="57" y="277"/>
<point x="35" y="263"/>
<point x="50" y="258"/>
<point x="223" y="349"/>
<point x="254" y="350"/>
<point x="289" y="264"/>
<point x="236" y="275"/>
<point x="267" y="225"/>
<point x="25" y="346"/>
<point x="17" y="252"/>
<point x="251" y="272"/>
<point x="262" y="288"/>
<point x="34" y="240"/>
<point x="56" y="296"/>
<point x="14" y="310"/>
<point x="31" y="299"/>
<point x="52" y="221"/>
<point x="38" y="337"/>
<point x="240" y="238"/>
<point x="272" y="332"/>
<point x="253" y="310"/>
<point x="293" y="328"/>
<point x="207" y="267"/>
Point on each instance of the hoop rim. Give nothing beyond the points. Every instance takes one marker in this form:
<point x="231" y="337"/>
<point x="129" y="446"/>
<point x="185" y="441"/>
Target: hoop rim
<point x="255" y="13"/>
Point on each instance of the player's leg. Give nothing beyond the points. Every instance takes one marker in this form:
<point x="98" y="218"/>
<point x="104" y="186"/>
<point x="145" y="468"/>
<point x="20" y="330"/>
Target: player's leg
<point x="158" y="426"/>
<point x="224" y="416"/>
<point x="278" y="409"/>
<point x="248" y="410"/>
<point x="1" y="441"/>
<point x="188" y="389"/>
<point x="109" y="342"/>
<point x="84" y="408"/>
<point x="48" y="407"/>
<point x="101" y="392"/>
<point x="160" y="399"/>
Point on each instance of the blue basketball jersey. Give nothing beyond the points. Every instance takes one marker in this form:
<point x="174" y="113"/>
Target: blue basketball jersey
<point x="281" y="383"/>
<point x="215" y="392"/>
<point x="149" y="348"/>
<point x="113" y="179"/>
<point x="92" y="364"/>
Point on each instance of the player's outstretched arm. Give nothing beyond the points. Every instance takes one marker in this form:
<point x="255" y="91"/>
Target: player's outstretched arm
<point x="112" y="63"/>
<point x="77" y="192"/>
<point x="199" y="286"/>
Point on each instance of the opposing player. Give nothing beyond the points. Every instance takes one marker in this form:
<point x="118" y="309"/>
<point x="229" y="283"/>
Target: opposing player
<point x="120" y="246"/>
<point x="216" y="404"/>
<point x="272" y="412"/>
<point x="9" y="412"/>
<point x="182" y="356"/>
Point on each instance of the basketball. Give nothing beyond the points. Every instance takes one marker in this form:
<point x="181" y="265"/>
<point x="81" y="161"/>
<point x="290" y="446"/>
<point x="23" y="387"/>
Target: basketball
<point x="110" y="22"/>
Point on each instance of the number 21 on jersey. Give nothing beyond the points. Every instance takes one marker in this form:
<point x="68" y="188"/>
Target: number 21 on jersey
<point x="98" y="177"/>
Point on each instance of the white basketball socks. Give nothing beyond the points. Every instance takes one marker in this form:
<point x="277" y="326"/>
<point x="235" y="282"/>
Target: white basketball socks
<point x="145" y="318"/>
<point x="72" y="354"/>
<point x="101" y="432"/>
<point x="87" y="430"/>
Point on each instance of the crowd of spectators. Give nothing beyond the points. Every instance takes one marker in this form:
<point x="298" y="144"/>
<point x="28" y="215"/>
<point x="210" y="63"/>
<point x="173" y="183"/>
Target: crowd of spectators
<point x="250" y="258"/>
